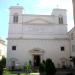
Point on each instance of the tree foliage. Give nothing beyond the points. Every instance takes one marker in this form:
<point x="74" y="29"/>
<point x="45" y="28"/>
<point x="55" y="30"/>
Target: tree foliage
<point x="50" y="67"/>
<point x="3" y="62"/>
<point x="42" y="67"/>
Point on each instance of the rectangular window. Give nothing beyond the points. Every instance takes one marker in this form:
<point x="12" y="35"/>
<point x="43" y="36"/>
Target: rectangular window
<point x="15" y="18"/>
<point x="71" y="36"/>
<point x="62" y="48"/>
<point x="13" y="47"/>
<point x="60" y="20"/>
<point x="73" y="48"/>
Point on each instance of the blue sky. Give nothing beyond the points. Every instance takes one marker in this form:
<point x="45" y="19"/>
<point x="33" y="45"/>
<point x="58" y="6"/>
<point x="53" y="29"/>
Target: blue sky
<point x="33" y="7"/>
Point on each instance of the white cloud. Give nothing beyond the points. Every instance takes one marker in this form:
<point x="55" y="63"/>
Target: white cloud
<point x="46" y="6"/>
<point x="46" y="3"/>
<point x="42" y="4"/>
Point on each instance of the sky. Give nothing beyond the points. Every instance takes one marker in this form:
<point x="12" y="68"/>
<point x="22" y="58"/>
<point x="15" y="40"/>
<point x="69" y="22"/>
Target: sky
<point x="33" y="7"/>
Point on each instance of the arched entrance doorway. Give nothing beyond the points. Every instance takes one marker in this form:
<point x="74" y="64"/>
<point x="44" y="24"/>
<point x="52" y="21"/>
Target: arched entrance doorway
<point x="37" y="56"/>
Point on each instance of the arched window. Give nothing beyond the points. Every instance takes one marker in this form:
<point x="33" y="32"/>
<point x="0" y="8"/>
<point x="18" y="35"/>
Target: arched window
<point x="15" y="18"/>
<point x="60" y="20"/>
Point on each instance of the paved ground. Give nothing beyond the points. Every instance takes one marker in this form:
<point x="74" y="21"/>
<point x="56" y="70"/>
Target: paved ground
<point x="65" y="72"/>
<point x="59" y="72"/>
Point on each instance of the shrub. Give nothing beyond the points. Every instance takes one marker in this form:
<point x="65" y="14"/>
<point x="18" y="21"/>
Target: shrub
<point x="50" y="67"/>
<point x="73" y="60"/>
<point x="42" y="67"/>
<point x="44" y="62"/>
<point x="70" y="73"/>
<point x="1" y="69"/>
<point x="3" y="62"/>
<point x="2" y="65"/>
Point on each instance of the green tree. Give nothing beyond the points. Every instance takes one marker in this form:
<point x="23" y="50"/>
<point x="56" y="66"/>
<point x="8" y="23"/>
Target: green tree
<point x="50" y="67"/>
<point x="42" y="68"/>
<point x="3" y="62"/>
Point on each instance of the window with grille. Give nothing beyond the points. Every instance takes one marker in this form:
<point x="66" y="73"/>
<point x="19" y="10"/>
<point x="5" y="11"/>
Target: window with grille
<point x="62" y="48"/>
<point x="13" y="47"/>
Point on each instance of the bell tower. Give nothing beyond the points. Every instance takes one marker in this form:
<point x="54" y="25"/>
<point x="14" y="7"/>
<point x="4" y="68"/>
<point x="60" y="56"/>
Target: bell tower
<point x="61" y="14"/>
<point x="15" y="14"/>
<point x="15" y="20"/>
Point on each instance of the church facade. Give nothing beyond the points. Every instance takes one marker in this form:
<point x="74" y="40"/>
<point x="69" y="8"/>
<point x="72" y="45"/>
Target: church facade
<point x="37" y="37"/>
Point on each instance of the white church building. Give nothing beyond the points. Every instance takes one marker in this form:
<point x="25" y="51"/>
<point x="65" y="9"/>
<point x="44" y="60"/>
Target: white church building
<point x="37" y="37"/>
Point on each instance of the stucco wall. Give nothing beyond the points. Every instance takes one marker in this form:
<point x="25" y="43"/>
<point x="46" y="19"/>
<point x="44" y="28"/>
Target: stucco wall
<point x="37" y="31"/>
<point x="51" y="49"/>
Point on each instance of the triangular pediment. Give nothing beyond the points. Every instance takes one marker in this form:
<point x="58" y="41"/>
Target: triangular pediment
<point x="37" y="21"/>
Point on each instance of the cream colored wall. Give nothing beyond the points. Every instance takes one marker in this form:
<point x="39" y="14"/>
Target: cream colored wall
<point x="72" y="50"/>
<point x="51" y="48"/>
<point x="37" y="31"/>
<point x="49" y="18"/>
<point x="72" y="39"/>
<point x="18" y="30"/>
<point x="36" y="24"/>
<point x="60" y="13"/>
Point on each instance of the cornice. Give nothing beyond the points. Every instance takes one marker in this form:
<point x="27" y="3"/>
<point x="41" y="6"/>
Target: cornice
<point x="24" y="23"/>
<point x="21" y="38"/>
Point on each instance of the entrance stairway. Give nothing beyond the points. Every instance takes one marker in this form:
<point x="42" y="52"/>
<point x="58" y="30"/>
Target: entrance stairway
<point x="35" y="69"/>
